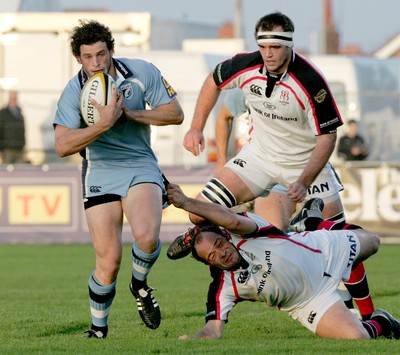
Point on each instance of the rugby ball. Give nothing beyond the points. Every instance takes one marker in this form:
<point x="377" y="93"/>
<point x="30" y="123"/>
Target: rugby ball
<point x="98" y="87"/>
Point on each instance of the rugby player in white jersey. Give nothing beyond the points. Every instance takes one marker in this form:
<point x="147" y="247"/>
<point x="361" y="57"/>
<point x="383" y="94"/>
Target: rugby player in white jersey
<point x="297" y="273"/>
<point x="120" y="173"/>
<point x="293" y="122"/>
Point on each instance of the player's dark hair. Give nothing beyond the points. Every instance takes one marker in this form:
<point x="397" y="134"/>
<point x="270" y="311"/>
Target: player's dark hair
<point x="198" y="236"/>
<point x="89" y="32"/>
<point x="268" y="22"/>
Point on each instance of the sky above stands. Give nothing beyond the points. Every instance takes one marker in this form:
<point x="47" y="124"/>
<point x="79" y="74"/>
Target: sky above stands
<point x="368" y="23"/>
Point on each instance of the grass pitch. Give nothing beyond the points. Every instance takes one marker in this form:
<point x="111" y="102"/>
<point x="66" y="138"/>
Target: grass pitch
<point x="45" y="308"/>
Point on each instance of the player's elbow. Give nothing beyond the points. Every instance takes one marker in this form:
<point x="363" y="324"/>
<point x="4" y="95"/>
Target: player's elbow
<point x="179" y="118"/>
<point x="63" y="150"/>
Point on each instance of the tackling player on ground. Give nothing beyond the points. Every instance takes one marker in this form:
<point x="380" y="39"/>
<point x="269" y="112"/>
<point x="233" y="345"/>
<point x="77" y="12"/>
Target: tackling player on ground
<point x="251" y="260"/>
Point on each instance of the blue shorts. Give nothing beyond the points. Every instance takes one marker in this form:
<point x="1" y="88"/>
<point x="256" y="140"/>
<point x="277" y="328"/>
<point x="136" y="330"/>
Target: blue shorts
<point x="114" y="179"/>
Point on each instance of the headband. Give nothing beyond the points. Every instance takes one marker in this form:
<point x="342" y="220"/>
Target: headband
<point x="285" y="38"/>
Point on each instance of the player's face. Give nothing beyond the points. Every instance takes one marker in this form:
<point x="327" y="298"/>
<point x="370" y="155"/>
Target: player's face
<point x="276" y="56"/>
<point x="217" y="251"/>
<point x="95" y="58"/>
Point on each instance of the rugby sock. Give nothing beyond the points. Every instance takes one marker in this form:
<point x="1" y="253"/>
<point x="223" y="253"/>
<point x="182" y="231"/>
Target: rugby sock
<point x="142" y="264"/>
<point x="373" y="328"/>
<point x="100" y="299"/>
<point x="318" y="223"/>
<point x="357" y="285"/>
<point x="345" y="295"/>
<point x="338" y="218"/>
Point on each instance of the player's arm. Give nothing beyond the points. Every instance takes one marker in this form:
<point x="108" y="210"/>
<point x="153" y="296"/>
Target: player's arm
<point x="223" y="129"/>
<point x="167" y="114"/>
<point x="213" y="329"/>
<point x="70" y="141"/>
<point x="320" y="156"/>
<point x="194" y="139"/>
<point x="214" y="213"/>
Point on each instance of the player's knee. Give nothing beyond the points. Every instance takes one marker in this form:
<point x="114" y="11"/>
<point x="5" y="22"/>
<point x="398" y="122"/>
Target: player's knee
<point x="358" y="332"/>
<point x="369" y="240"/>
<point x="375" y="242"/>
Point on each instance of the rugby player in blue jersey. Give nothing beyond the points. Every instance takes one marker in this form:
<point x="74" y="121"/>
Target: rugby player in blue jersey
<point x="120" y="173"/>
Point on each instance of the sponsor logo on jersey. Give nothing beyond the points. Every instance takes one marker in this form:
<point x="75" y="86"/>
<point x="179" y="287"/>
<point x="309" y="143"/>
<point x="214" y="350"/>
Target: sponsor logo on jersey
<point x="127" y="90"/>
<point x="321" y="95"/>
<point x="170" y="90"/>
<point x="265" y="274"/>
<point x="256" y="268"/>
<point x="240" y="162"/>
<point x="319" y="188"/>
<point x="95" y="189"/>
<point x="268" y="260"/>
<point x="353" y="249"/>
<point x="269" y="106"/>
<point x="284" y="97"/>
<point x="256" y="90"/>
<point x="250" y="255"/>
<point x="311" y="317"/>
<point x="243" y="277"/>
<point x="274" y="116"/>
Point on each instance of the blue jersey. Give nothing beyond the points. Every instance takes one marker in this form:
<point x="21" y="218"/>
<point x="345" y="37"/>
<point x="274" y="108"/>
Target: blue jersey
<point x="124" y="150"/>
<point x="127" y="141"/>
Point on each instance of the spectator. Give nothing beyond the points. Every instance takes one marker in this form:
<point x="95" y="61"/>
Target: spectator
<point x="12" y="132"/>
<point x="352" y="146"/>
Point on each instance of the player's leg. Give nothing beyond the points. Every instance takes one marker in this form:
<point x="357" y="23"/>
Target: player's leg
<point x="339" y="323"/>
<point x="276" y="208"/>
<point x="105" y="225"/>
<point x="357" y="285"/>
<point x="219" y="190"/>
<point x="143" y="209"/>
<point x="227" y="189"/>
<point x="333" y="210"/>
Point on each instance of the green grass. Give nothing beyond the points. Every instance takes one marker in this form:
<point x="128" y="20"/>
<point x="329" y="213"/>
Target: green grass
<point x="44" y="309"/>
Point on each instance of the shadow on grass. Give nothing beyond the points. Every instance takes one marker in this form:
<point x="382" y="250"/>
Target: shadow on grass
<point x="70" y="329"/>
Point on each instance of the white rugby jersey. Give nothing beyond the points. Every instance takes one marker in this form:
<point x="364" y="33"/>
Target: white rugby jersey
<point x="301" y="106"/>
<point x="283" y="271"/>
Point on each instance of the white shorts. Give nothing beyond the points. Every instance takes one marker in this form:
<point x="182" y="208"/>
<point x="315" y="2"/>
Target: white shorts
<point x="339" y="265"/>
<point x="262" y="177"/>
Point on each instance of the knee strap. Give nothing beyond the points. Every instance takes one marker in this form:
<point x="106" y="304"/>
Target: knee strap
<point x="216" y="192"/>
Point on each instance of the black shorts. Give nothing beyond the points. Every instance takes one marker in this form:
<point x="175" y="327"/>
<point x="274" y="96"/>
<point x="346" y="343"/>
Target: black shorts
<point x="99" y="200"/>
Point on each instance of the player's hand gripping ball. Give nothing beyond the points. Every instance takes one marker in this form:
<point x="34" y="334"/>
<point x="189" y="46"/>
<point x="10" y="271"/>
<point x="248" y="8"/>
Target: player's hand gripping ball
<point x="99" y="87"/>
